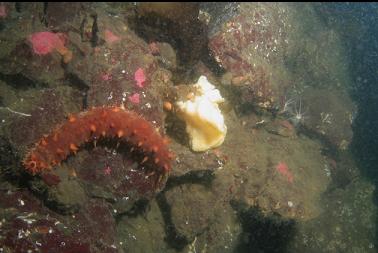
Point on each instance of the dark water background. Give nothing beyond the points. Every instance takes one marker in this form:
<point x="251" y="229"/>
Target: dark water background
<point x="363" y="49"/>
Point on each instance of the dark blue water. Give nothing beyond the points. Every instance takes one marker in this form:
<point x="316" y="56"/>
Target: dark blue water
<point x="363" y="49"/>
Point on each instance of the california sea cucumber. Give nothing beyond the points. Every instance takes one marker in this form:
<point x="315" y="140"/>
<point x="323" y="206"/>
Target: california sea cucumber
<point x="95" y="124"/>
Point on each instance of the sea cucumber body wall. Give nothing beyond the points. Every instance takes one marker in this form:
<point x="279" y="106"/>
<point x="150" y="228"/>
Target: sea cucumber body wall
<point x="92" y="125"/>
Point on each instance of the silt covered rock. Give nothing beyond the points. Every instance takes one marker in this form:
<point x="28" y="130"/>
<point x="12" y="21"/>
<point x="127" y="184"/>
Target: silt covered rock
<point x="251" y="46"/>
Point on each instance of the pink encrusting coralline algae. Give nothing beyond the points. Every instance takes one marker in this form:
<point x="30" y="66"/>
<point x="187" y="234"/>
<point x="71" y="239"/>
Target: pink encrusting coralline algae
<point x="107" y="170"/>
<point x="139" y="77"/>
<point x="135" y="98"/>
<point x="110" y="37"/>
<point x="283" y="169"/>
<point x="106" y="77"/>
<point x="154" y="49"/>
<point x="3" y="11"/>
<point x="45" y="42"/>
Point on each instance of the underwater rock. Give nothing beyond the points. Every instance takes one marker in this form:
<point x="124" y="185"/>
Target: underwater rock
<point x="188" y="162"/>
<point x="9" y="161"/>
<point x="113" y="176"/>
<point x="165" y="53"/>
<point x="281" y="127"/>
<point x="261" y="232"/>
<point x="284" y="188"/>
<point x="101" y="229"/>
<point x="45" y="42"/>
<point x="176" y="12"/>
<point x="27" y="226"/>
<point x="62" y="196"/>
<point x="45" y="109"/>
<point x="113" y="73"/>
<point x="11" y="37"/>
<point x="252" y="177"/>
<point x="30" y="228"/>
<point x="143" y="233"/>
<point x="41" y="70"/>
<point x="175" y="23"/>
<point x="223" y="234"/>
<point x="99" y="74"/>
<point x="250" y="45"/>
<point x="136" y="166"/>
<point x="193" y="219"/>
<point x="63" y="16"/>
<point x="17" y="54"/>
<point x="329" y="114"/>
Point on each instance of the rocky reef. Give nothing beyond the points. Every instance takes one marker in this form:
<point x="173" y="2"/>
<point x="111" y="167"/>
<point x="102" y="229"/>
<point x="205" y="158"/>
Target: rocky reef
<point x="277" y="174"/>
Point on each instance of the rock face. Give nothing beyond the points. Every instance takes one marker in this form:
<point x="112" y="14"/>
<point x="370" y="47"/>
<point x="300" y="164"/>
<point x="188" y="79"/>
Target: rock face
<point x="251" y="46"/>
<point x="28" y="226"/>
<point x="330" y="114"/>
<point x="273" y="63"/>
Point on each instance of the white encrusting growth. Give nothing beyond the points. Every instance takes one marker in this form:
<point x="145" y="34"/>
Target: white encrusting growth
<point x="204" y="120"/>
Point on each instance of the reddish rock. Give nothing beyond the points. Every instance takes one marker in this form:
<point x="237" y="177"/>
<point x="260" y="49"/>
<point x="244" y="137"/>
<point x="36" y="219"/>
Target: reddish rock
<point x="115" y="72"/>
<point x="3" y="11"/>
<point x="47" y="109"/>
<point x="114" y="175"/>
<point x="50" y="179"/>
<point x="250" y="46"/>
<point x="27" y="225"/>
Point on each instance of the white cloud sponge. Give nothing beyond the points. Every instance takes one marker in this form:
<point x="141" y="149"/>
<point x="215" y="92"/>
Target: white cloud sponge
<point x="204" y="120"/>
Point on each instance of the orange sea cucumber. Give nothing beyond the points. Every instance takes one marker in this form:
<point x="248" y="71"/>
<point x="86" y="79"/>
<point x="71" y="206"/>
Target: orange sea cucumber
<point x="92" y="125"/>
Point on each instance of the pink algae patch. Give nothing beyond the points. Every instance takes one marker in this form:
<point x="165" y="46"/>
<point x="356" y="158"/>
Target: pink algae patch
<point x="46" y="42"/>
<point x="135" y="98"/>
<point x="107" y="170"/>
<point x="3" y="11"/>
<point x="106" y="77"/>
<point x="110" y="37"/>
<point x="283" y="169"/>
<point x="139" y="77"/>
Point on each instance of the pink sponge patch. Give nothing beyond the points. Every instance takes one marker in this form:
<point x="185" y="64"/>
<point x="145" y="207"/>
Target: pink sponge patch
<point x="110" y="37"/>
<point x="46" y="42"/>
<point x="106" y="77"/>
<point x="135" y="98"/>
<point x="283" y="169"/>
<point x="140" y="78"/>
<point x="3" y="11"/>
